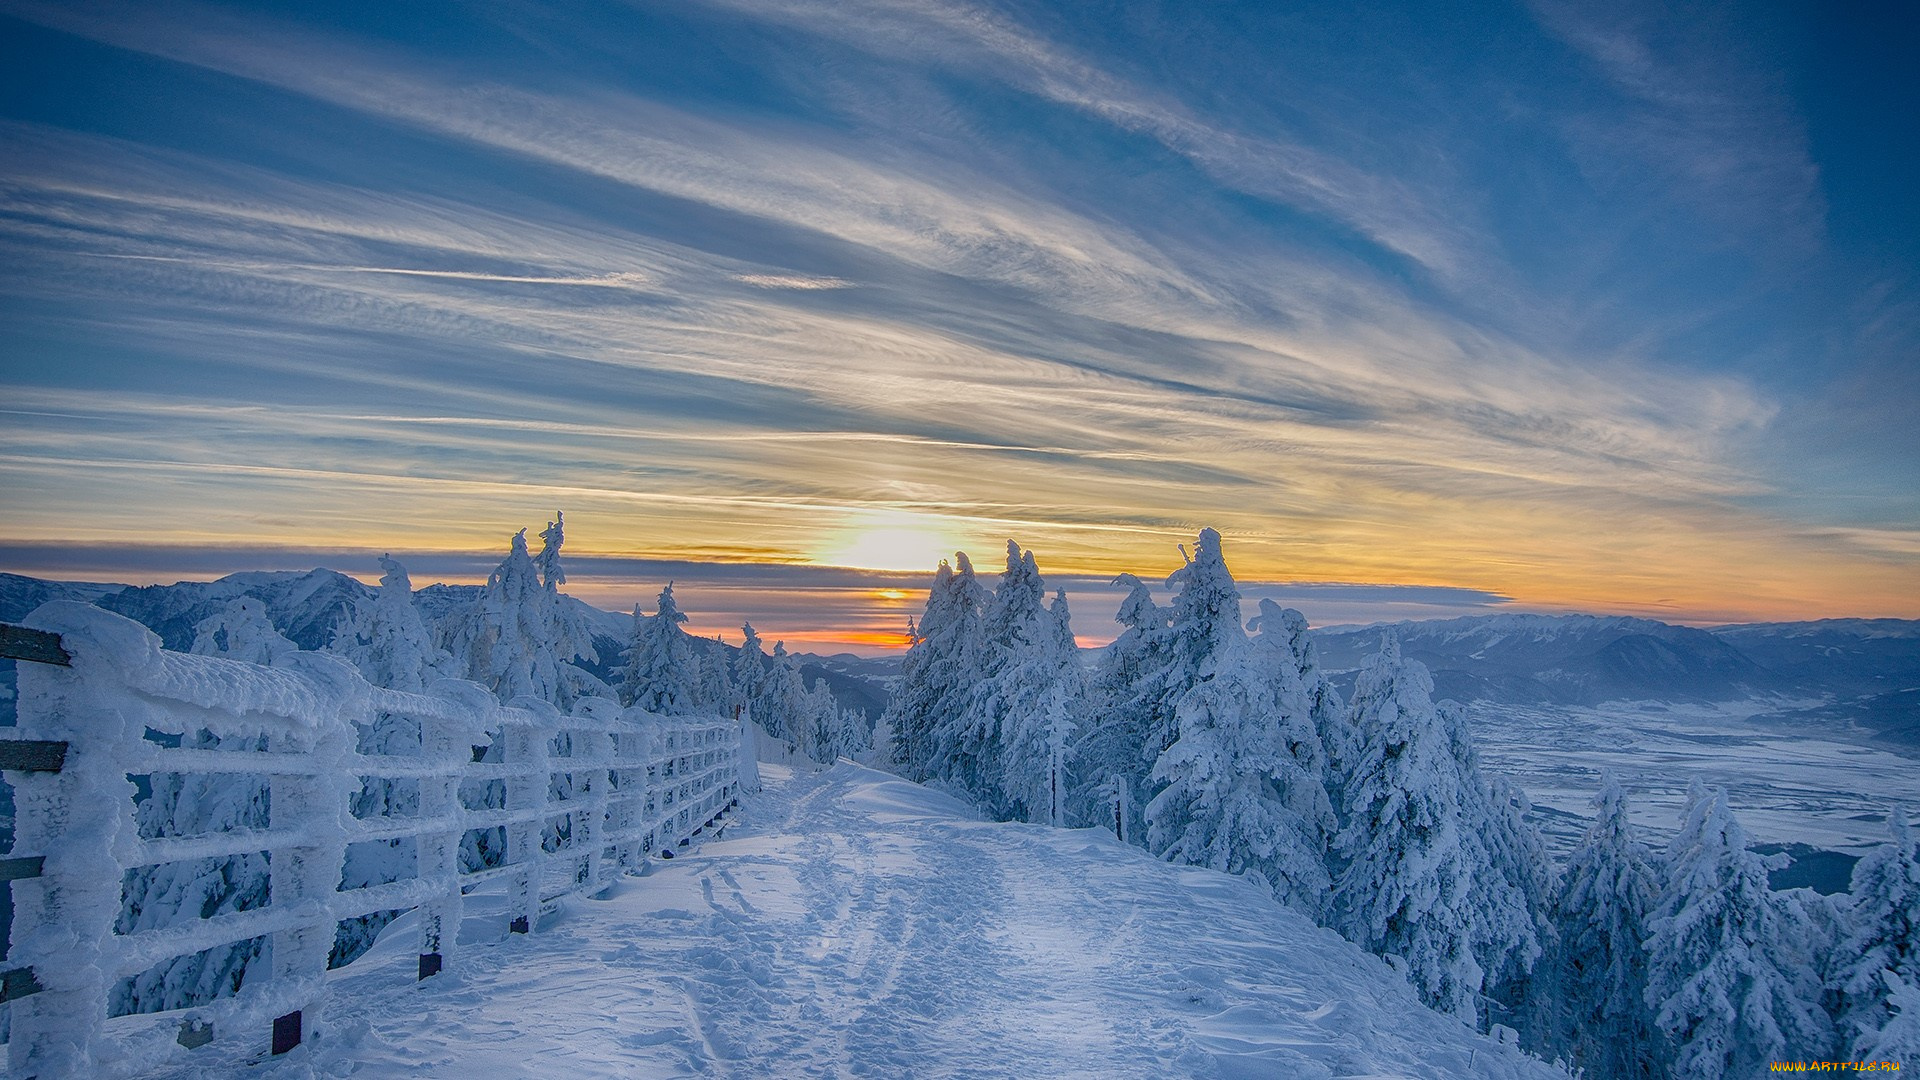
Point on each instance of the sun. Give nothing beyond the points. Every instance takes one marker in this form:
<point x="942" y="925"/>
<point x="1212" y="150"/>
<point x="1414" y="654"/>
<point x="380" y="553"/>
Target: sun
<point x="890" y="540"/>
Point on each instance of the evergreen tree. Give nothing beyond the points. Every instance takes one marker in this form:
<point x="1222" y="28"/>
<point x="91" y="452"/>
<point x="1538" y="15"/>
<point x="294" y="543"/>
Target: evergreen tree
<point x="1513" y="891"/>
<point x="661" y="673"/>
<point x="937" y="676"/>
<point x="389" y="640"/>
<point x="242" y="631"/>
<point x="1284" y="632"/>
<point x="1130" y="718"/>
<point x="852" y="737"/>
<point x="1881" y="951"/>
<point x="783" y="700"/>
<point x="1233" y="796"/>
<point x="1039" y="689"/>
<point x="520" y="637"/>
<point x="1600" y="969"/>
<point x="1899" y="1038"/>
<point x="750" y="671"/>
<point x="820" y="715"/>
<point x="1729" y="983"/>
<point x="1407" y="891"/>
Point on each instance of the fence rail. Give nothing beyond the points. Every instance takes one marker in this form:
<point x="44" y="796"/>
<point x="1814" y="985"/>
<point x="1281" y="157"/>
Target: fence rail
<point x="582" y="798"/>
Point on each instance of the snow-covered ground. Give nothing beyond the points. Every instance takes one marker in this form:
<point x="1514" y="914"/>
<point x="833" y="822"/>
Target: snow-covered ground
<point x="1788" y="783"/>
<point x="851" y="924"/>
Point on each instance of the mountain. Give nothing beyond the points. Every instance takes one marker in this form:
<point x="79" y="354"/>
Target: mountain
<point x="1562" y="659"/>
<point x="305" y="607"/>
<point x="1865" y="656"/>
<point x="19" y="595"/>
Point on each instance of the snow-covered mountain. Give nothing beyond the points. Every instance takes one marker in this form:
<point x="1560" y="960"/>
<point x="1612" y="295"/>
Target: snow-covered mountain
<point x="1564" y="659"/>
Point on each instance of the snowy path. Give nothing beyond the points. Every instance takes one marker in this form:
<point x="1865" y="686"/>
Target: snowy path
<point x="853" y="925"/>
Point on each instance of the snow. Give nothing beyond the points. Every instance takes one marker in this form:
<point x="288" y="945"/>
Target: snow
<point x="1789" y="783"/>
<point x="853" y="924"/>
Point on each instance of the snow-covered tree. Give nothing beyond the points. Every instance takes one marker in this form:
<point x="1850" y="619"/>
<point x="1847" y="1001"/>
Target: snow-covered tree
<point x="1233" y="794"/>
<point x="661" y="674"/>
<point x="937" y="676"/>
<point x="851" y="737"/>
<point x="1599" y="976"/>
<point x="1513" y="893"/>
<point x="750" y="672"/>
<point x="1407" y="890"/>
<point x="520" y="637"/>
<point x="1130" y="718"/>
<point x="1038" y="691"/>
<point x="965" y="743"/>
<point x="1283" y="631"/>
<point x="1881" y="950"/>
<point x="819" y="722"/>
<point x="389" y="640"/>
<point x="1899" y="1038"/>
<point x="1730" y="984"/>
<point x="242" y="631"/>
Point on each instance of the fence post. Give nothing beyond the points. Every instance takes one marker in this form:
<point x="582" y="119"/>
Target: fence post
<point x="74" y="818"/>
<point x="524" y="746"/>
<point x="437" y="854"/>
<point x="316" y="806"/>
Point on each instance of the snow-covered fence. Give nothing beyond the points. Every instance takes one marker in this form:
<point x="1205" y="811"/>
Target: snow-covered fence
<point x="102" y="710"/>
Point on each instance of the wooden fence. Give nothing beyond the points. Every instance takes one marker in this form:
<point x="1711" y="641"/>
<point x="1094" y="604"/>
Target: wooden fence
<point x="588" y="796"/>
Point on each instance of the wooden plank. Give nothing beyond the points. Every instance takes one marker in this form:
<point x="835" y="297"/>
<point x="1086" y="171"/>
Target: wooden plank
<point x="21" y="643"/>
<point x="19" y="869"/>
<point x="286" y="1032"/>
<point x="18" y="983"/>
<point x="32" y="755"/>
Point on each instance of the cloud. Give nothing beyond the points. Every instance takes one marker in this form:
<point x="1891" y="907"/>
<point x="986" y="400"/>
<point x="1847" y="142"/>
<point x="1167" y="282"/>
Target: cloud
<point x="715" y="332"/>
<point x="1704" y="110"/>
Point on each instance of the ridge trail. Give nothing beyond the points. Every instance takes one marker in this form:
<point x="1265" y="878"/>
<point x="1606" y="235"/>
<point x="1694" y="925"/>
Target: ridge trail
<point x="849" y="924"/>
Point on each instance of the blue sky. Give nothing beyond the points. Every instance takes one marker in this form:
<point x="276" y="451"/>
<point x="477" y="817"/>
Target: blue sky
<point x="1598" y="307"/>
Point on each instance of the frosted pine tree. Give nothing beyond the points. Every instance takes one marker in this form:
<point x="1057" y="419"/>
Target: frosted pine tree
<point x="819" y="720"/>
<point x="1284" y="631"/>
<point x="1882" y="948"/>
<point x="1130" y="718"/>
<point x="1723" y="974"/>
<point x="852" y="737"/>
<point x="784" y="702"/>
<point x="1899" y="1038"/>
<point x="1407" y="891"/>
<point x="1513" y="891"/>
<point x="389" y="640"/>
<point x="1232" y="795"/>
<point x="661" y="674"/>
<point x="940" y="669"/>
<point x="242" y="631"/>
<point x="750" y="672"/>
<point x="1600" y="968"/>
<point x="966" y="743"/>
<point x="1039" y="689"/>
<point x="519" y="638"/>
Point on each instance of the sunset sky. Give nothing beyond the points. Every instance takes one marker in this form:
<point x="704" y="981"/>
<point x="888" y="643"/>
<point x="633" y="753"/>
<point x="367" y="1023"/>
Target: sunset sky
<point x="1429" y="309"/>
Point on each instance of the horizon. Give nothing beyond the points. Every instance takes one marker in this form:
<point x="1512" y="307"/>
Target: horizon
<point x="1543" y="309"/>
<point x="826" y="610"/>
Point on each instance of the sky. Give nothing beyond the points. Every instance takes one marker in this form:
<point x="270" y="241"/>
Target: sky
<point x="1430" y="309"/>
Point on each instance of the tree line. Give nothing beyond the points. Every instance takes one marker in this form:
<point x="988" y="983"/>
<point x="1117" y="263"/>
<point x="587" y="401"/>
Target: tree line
<point x="1221" y="745"/>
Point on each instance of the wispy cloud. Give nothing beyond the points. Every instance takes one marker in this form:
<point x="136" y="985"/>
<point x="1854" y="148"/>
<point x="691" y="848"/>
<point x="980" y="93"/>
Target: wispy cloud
<point x="727" y="332"/>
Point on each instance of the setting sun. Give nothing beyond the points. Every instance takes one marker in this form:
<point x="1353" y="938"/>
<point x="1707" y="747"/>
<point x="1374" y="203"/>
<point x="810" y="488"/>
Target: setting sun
<point x="892" y="540"/>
